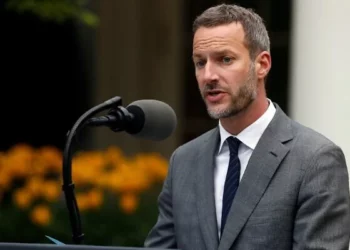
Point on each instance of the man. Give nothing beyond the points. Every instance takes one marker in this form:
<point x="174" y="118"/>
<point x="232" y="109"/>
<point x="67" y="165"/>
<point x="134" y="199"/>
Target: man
<point x="259" y="180"/>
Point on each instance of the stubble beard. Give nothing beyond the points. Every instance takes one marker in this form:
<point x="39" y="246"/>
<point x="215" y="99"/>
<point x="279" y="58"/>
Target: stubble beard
<point x="245" y="95"/>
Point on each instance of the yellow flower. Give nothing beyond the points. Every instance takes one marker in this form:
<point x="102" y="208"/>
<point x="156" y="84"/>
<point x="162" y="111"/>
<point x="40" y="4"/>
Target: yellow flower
<point x="38" y="167"/>
<point x="133" y="179"/>
<point x="87" y="166"/>
<point x="114" y="155"/>
<point x="51" y="190"/>
<point x="82" y="201"/>
<point x="51" y="157"/>
<point x="22" y="198"/>
<point x="5" y="179"/>
<point x="157" y="166"/>
<point x="41" y="215"/>
<point x="35" y="186"/>
<point x="90" y="200"/>
<point x="95" y="198"/>
<point x="19" y="160"/>
<point x="128" y="203"/>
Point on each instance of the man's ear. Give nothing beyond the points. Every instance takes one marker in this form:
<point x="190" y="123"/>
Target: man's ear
<point x="262" y="64"/>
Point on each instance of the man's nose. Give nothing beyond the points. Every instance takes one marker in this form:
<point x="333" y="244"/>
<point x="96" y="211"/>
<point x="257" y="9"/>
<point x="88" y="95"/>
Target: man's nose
<point x="210" y="72"/>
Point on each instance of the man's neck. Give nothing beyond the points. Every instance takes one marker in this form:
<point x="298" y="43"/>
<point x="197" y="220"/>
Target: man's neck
<point x="235" y="124"/>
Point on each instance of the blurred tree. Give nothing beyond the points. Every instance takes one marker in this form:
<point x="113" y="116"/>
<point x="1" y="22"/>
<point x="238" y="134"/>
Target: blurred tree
<point x="56" y="10"/>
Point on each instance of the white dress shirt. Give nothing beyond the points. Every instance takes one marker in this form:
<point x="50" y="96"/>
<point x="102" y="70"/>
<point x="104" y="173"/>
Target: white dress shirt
<point x="249" y="138"/>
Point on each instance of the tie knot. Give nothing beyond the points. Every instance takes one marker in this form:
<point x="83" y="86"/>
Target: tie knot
<point x="233" y="144"/>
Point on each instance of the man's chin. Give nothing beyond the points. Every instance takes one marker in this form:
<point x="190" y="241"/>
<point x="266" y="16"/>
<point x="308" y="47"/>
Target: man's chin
<point x="223" y="112"/>
<point x="218" y="113"/>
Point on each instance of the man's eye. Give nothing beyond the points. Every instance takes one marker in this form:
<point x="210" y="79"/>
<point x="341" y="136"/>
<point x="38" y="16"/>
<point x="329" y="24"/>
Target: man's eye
<point x="226" y="59"/>
<point x="200" y="64"/>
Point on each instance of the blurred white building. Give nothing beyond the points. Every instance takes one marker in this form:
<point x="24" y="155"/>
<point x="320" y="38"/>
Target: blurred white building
<point x="319" y="84"/>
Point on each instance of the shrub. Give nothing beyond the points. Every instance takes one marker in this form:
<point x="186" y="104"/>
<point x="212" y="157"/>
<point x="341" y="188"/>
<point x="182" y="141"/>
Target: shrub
<point x="116" y="195"/>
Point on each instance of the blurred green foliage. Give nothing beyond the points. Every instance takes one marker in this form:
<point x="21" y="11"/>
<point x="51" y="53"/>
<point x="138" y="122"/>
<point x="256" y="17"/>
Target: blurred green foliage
<point x="56" y="10"/>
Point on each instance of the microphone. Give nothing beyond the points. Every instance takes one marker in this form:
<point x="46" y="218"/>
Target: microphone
<point x="147" y="119"/>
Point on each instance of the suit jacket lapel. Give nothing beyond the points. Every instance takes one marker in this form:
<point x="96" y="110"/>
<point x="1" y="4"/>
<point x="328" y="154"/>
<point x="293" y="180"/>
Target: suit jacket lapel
<point x="262" y="165"/>
<point x="205" y="191"/>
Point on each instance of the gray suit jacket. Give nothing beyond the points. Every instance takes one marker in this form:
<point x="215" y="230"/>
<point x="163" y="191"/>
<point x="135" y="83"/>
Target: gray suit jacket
<point x="294" y="194"/>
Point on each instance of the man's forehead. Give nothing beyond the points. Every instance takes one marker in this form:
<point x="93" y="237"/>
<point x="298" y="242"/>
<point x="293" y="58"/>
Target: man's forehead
<point x="233" y="30"/>
<point x="224" y="37"/>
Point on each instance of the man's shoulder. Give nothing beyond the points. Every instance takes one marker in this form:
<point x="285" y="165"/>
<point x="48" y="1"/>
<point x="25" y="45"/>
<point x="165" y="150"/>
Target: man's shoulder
<point x="310" y="138"/>
<point x="197" y="143"/>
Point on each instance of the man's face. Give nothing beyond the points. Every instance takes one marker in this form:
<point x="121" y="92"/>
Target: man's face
<point x="225" y="73"/>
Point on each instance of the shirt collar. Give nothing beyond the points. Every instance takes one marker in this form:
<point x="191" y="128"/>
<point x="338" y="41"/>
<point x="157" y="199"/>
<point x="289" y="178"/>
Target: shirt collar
<point x="250" y="136"/>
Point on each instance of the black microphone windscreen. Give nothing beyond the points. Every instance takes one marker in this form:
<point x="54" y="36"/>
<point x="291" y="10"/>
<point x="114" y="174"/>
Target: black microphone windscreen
<point x="153" y="119"/>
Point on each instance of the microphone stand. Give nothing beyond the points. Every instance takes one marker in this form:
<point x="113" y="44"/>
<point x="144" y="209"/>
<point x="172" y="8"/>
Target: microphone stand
<point x="68" y="185"/>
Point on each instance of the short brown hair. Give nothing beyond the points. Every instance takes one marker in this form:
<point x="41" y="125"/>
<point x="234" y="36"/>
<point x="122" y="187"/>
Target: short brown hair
<point x="256" y="35"/>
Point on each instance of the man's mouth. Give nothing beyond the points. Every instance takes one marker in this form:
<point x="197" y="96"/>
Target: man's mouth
<point x="214" y="92"/>
<point x="214" y="96"/>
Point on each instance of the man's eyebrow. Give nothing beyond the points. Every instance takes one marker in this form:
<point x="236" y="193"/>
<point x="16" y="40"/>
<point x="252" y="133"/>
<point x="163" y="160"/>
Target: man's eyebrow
<point x="218" y="52"/>
<point x="195" y="55"/>
<point x="223" y="51"/>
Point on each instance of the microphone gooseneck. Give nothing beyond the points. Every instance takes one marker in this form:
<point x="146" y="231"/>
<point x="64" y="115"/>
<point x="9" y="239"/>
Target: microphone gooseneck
<point x="68" y="185"/>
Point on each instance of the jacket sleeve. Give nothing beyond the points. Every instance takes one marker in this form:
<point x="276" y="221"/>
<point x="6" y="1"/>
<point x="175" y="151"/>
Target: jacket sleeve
<point x="322" y="220"/>
<point x="162" y="235"/>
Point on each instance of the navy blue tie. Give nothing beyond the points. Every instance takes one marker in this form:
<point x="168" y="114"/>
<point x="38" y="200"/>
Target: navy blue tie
<point x="232" y="179"/>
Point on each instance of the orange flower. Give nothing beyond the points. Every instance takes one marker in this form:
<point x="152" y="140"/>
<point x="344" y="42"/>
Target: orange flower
<point x="95" y="198"/>
<point x="41" y="215"/>
<point x="83" y="201"/>
<point x="35" y="185"/>
<point x="22" y="198"/>
<point x="5" y="179"/>
<point x="114" y="155"/>
<point x="86" y="166"/>
<point x="158" y="166"/>
<point x="51" y="157"/>
<point x="19" y="159"/>
<point x="51" y="190"/>
<point x="132" y="178"/>
<point x="128" y="203"/>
